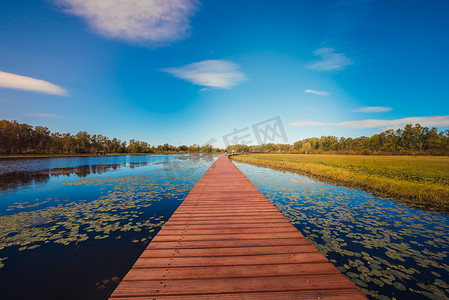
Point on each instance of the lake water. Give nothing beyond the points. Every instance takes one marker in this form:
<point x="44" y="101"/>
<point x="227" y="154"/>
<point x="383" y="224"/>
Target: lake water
<point x="71" y="228"/>
<point x="387" y="249"/>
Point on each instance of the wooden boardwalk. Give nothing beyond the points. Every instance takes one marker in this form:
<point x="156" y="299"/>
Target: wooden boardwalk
<point x="226" y="240"/>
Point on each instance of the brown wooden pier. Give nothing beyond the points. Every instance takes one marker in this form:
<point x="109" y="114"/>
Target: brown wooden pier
<point x="226" y="240"/>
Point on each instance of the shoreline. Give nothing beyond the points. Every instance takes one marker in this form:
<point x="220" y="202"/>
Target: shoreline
<point x="419" y="194"/>
<point x="6" y="156"/>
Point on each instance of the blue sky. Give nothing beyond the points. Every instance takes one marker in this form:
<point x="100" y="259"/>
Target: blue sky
<point x="185" y="71"/>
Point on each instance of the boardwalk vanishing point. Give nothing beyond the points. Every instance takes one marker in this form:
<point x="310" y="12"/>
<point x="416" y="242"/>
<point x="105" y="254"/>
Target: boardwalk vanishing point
<point x="227" y="241"/>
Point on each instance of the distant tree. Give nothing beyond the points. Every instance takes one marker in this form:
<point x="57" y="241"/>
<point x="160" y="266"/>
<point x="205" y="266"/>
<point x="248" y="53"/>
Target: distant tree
<point x="432" y="139"/>
<point x="306" y="147"/>
<point x="412" y="139"/>
<point x="207" y="149"/>
<point x="82" y="142"/>
<point x="121" y="150"/>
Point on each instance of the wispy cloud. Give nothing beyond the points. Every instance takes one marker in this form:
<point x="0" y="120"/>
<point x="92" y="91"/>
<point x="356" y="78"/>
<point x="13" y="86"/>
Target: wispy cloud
<point x="330" y="61"/>
<point x="210" y="73"/>
<point x="13" y="81"/>
<point x="156" y="21"/>
<point x="373" y="109"/>
<point x="319" y="93"/>
<point x="431" y="121"/>
<point x="39" y="115"/>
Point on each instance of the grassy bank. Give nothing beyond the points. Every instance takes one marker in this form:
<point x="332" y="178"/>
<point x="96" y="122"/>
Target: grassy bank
<point x="422" y="180"/>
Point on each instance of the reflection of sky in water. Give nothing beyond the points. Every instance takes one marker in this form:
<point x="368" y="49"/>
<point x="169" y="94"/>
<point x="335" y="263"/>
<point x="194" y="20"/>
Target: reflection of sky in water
<point x="26" y="172"/>
<point x="387" y="249"/>
<point x="35" y="164"/>
<point x="76" y="233"/>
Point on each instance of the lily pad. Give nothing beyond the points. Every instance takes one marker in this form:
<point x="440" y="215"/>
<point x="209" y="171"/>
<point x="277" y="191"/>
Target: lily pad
<point x="399" y="286"/>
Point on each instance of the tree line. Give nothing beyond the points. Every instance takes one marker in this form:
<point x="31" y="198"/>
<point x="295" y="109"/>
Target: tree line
<point x="412" y="139"/>
<point x="19" y="138"/>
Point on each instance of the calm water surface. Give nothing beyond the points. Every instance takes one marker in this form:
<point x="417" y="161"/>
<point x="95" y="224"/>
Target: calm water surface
<point x="71" y="228"/>
<point x="387" y="249"/>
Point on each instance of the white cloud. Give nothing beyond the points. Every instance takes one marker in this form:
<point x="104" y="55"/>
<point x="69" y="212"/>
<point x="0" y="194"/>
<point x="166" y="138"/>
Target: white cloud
<point x="156" y="21"/>
<point x="431" y="121"/>
<point x="13" y="81"/>
<point x="39" y="115"/>
<point x="319" y="93"/>
<point x="210" y="73"/>
<point x="330" y="61"/>
<point x="370" y="109"/>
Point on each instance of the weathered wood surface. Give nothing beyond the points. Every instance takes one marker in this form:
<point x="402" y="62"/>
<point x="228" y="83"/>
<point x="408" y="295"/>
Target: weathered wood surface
<point x="226" y="240"/>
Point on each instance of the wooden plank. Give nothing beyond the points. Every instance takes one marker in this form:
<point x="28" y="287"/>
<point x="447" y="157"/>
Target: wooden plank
<point x="232" y="285"/>
<point x="146" y="262"/>
<point x="221" y="237"/>
<point x="233" y="213"/>
<point x="189" y="230"/>
<point x="255" y="217"/>
<point x="227" y="241"/>
<point x="239" y="251"/>
<point x="340" y="294"/>
<point x="230" y="271"/>
<point x="171" y="226"/>
<point x="214" y="221"/>
<point x="225" y="215"/>
<point x="203" y="210"/>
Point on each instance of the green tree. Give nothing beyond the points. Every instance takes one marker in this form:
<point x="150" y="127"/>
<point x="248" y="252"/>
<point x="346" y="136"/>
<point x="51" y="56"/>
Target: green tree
<point x="306" y="147"/>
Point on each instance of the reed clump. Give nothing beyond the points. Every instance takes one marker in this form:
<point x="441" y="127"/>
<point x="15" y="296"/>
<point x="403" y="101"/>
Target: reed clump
<point x="422" y="180"/>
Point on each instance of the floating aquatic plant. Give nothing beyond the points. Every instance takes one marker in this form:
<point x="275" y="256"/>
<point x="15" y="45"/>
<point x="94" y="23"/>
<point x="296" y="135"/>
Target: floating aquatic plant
<point x="387" y="249"/>
<point x="119" y="209"/>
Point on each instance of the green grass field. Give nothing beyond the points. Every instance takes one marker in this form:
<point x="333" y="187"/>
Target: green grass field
<point x="422" y="180"/>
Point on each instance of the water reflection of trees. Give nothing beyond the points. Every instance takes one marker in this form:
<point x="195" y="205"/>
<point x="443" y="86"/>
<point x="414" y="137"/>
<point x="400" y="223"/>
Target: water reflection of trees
<point x="18" y="180"/>
<point x="22" y="179"/>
